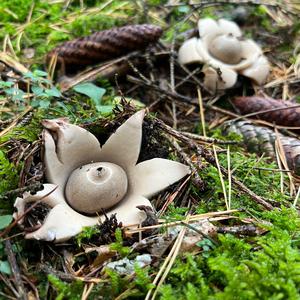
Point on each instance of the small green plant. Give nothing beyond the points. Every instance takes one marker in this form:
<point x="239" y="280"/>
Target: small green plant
<point x="42" y="89"/>
<point x="130" y="288"/>
<point x="117" y="282"/>
<point x="142" y="279"/>
<point x="71" y="291"/>
<point x="206" y="245"/>
<point x="13" y="93"/>
<point x="95" y="93"/>
<point x="118" y="244"/>
<point x="5" y="220"/>
<point x="86" y="234"/>
<point x="261" y="12"/>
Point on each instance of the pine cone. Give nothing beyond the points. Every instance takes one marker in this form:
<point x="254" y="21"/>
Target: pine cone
<point x="106" y="44"/>
<point x="285" y="117"/>
<point x="262" y="140"/>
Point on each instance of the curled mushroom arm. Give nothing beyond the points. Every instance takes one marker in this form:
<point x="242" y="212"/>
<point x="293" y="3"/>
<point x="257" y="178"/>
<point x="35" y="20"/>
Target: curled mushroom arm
<point x="50" y="195"/>
<point x="258" y="71"/>
<point x="219" y="79"/>
<point x="67" y="147"/>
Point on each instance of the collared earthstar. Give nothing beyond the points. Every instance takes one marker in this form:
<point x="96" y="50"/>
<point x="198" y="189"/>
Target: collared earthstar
<point x="84" y="178"/>
<point x="225" y="54"/>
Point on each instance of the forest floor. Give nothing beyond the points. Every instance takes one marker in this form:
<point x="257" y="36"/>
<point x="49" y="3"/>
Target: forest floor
<point x="228" y="231"/>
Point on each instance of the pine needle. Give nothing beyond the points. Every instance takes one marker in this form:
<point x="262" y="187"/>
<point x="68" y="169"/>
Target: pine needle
<point x="221" y="178"/>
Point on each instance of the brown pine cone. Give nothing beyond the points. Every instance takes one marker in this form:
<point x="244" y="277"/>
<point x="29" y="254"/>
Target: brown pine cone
<point x="285" y="117"/>
<point x="106" y="44"/>
<point x="261" y="140"/>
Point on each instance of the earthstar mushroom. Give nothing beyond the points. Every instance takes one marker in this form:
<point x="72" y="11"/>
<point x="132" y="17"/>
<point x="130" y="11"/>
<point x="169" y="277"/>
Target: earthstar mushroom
<point x="225" y="54"/>
<point x="85" y="178"/>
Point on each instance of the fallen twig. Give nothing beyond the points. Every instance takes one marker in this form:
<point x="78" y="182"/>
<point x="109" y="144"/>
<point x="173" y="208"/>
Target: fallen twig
<point x="209" y="157"/>
<point x="15" y="271"/>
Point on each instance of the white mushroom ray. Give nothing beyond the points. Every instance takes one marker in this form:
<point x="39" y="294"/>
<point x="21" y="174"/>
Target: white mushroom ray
<point x="127" y="211"/>
<point x="123" y="147"/>
<point x="250" y="52"/>
<point x="219" y="78"/>
<point x="188" y="52"/>
<point x="229" y="27"/>
<point x="63" y="222"/>
<point x="209" y="26"/>
<point x="67" y="147"/>
<point x="258" y="71"/>
<point x="152" y="176"/>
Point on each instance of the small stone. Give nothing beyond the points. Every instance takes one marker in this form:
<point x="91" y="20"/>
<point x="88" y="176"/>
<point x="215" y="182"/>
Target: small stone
<point x="126" y="266"/>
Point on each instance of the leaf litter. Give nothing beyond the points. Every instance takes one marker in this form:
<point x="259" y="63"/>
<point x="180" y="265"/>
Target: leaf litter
<point x="229" y="227"/>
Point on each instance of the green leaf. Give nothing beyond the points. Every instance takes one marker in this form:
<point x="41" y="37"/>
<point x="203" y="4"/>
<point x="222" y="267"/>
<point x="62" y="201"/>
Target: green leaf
<point x="12" y="91"/>
<point x="44" y="80"/>
<point x="105" y="109"/>
<point x="4" y="84"/>
<point x="5" y="267"/>
<point x="53" y="92"/>
<point x="40" y="73"/>
<point x="18" y="96"/>
<point x="44" y="103"/>
<point x="40" y="103"/>
<point x="5" y="220"/>
<point x="30" y="76"/>
<point x="91" y="90"/>
<point x="37" y="90"/>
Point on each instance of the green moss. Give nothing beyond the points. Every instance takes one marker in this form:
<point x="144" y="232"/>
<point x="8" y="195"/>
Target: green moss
<point x="255" y="173"/>
<point x="261" y="13"/>
<point x="70" y="291"/>
<point x="181" y="27"/>
<point x="266" y="268"/>
<point x="52" y="23"/>
<point x="8" y="175"/>
<point x="86" y="25"/>
<point x="14" y="10"/>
